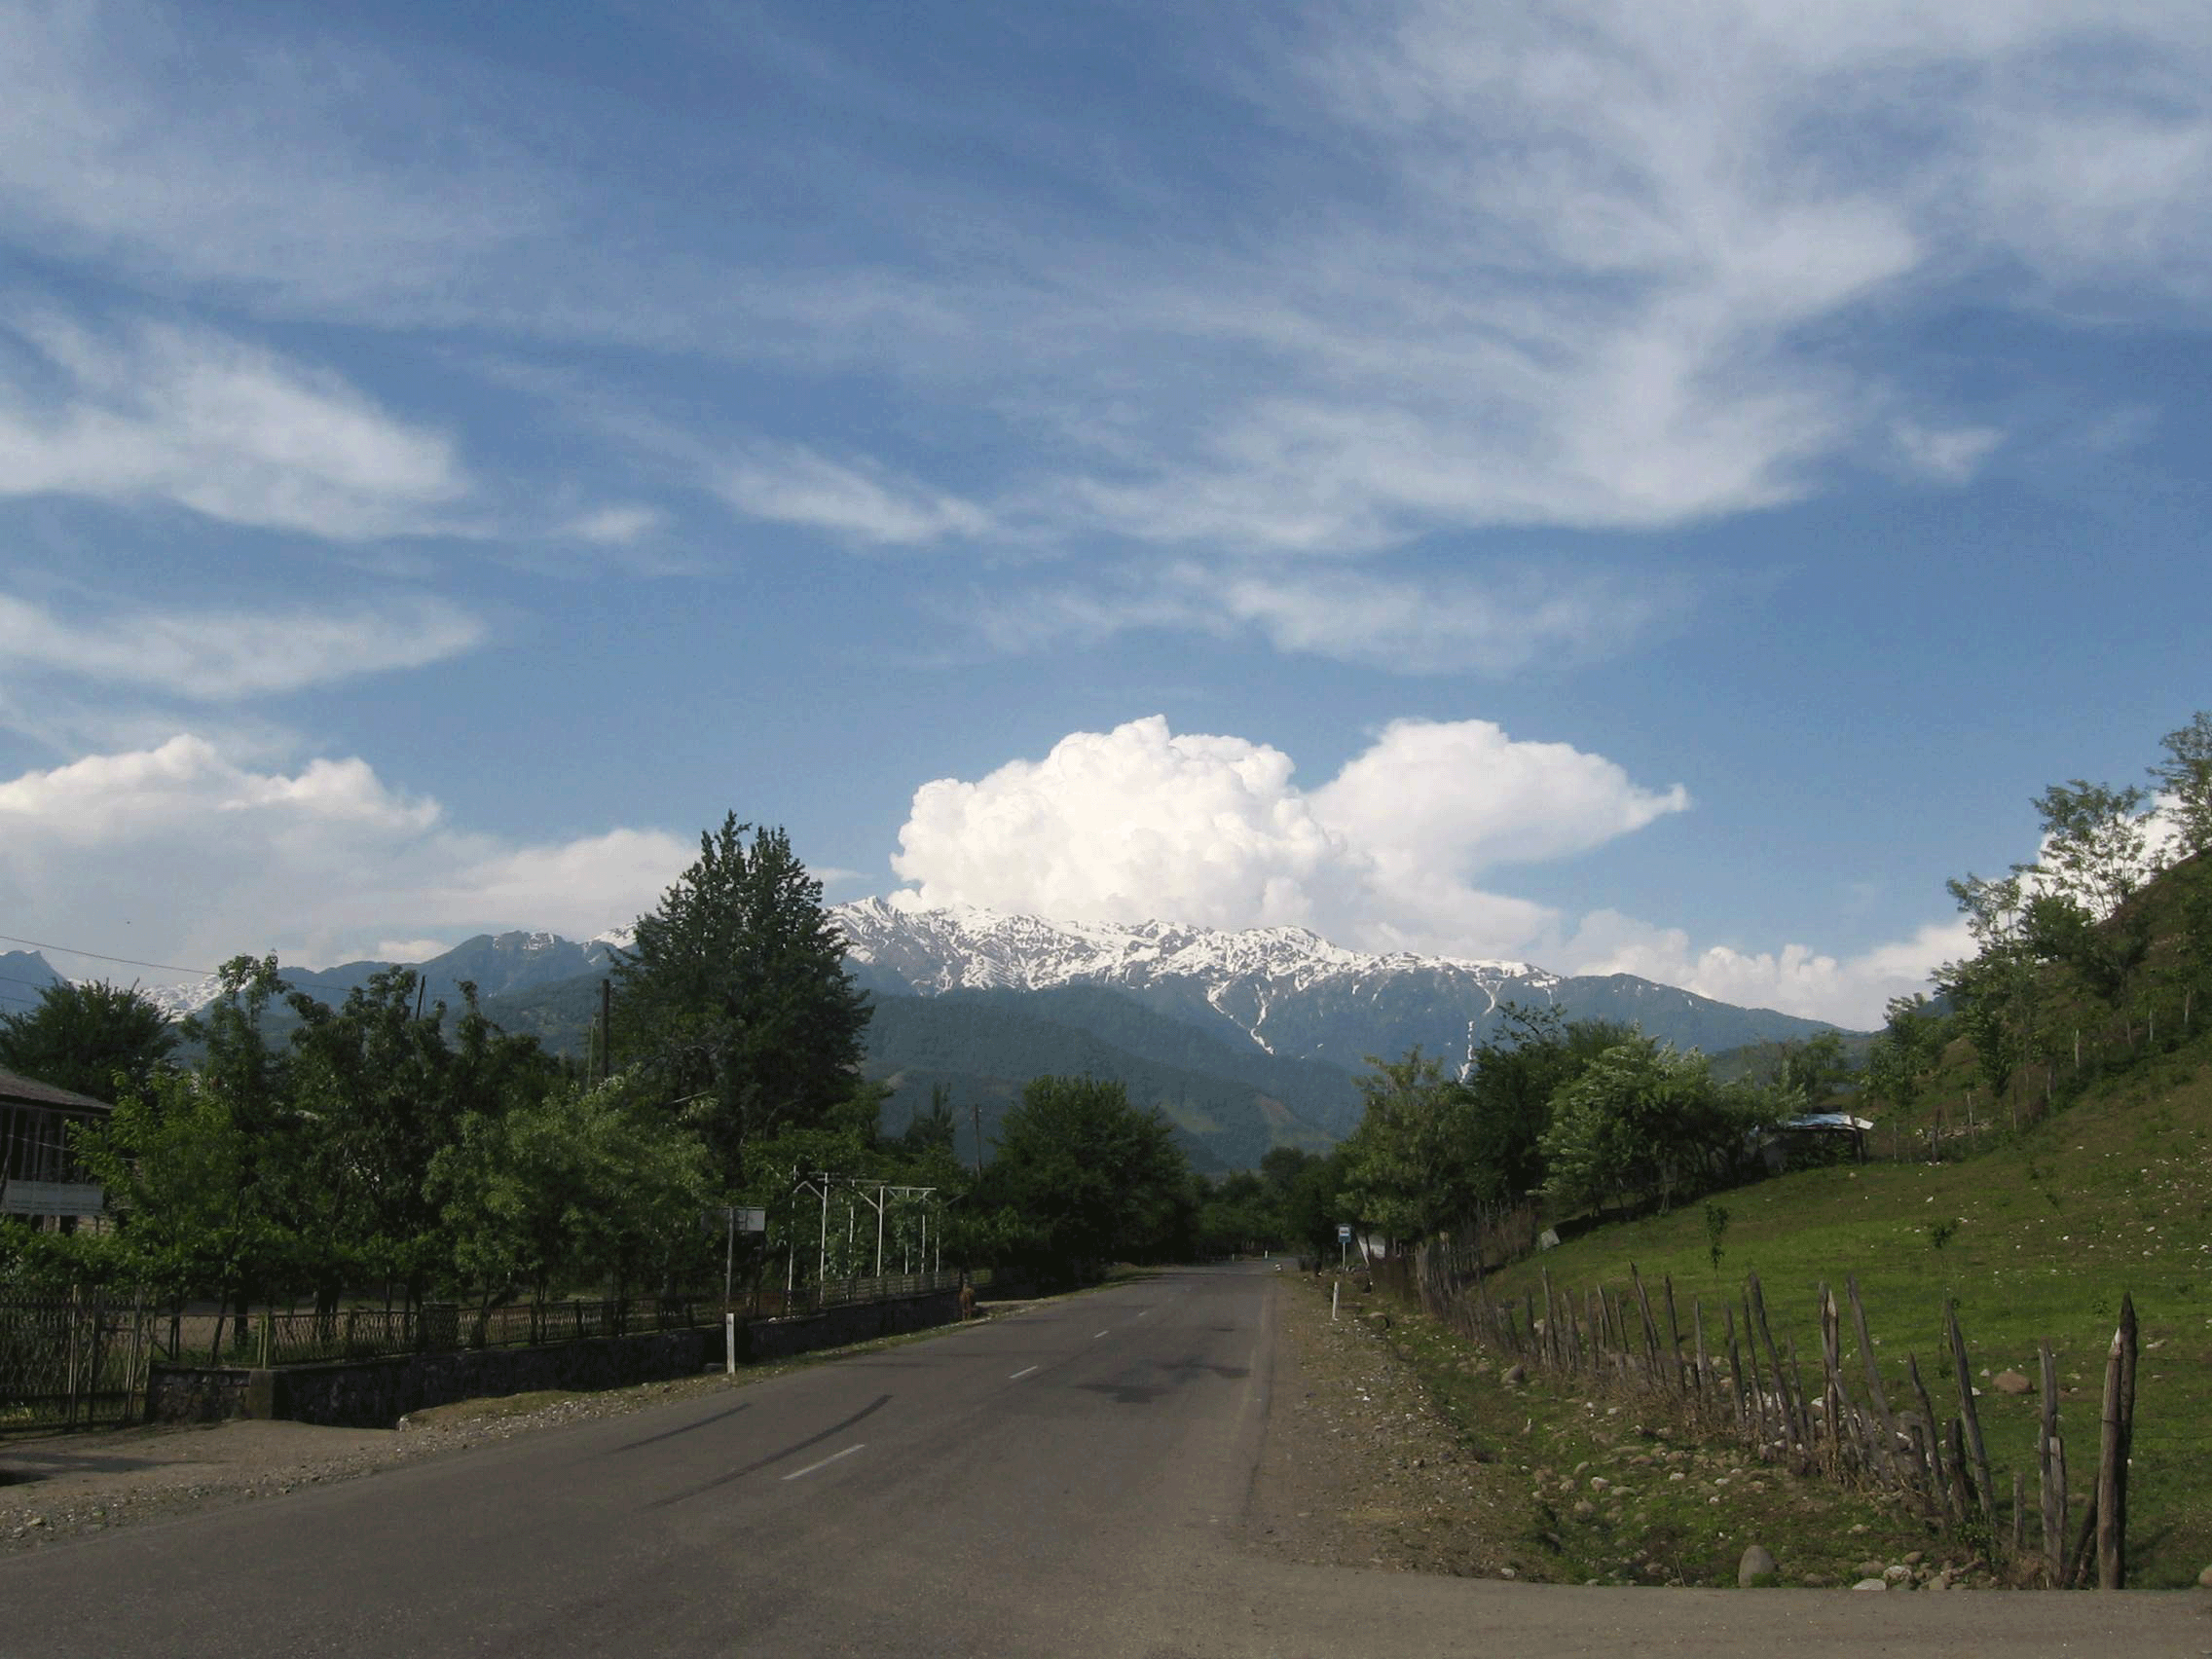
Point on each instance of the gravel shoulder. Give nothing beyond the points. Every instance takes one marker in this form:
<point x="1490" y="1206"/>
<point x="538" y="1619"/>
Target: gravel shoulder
<point x="1359" y="1468"/>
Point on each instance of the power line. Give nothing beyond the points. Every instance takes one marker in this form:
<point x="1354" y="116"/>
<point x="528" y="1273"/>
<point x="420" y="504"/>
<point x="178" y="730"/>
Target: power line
<point x="127" y="961"/>
<point x="293" y="975"/>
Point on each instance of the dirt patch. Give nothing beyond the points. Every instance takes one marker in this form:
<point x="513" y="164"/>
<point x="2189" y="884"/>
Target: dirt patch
<point x="1392" y="1443"/>
<point x="1360" y="1469"/>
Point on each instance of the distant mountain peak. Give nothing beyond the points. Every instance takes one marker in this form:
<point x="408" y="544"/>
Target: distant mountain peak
<point x="1285" y="988"/>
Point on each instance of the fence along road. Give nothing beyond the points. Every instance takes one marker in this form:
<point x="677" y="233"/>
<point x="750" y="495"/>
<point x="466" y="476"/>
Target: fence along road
<point x="1069" y="1482"/>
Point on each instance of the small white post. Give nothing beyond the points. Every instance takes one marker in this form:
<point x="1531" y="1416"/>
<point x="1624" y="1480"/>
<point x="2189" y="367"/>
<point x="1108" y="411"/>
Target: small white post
<point x="1332" y="1289"/>
<point x="730" y="1344"/>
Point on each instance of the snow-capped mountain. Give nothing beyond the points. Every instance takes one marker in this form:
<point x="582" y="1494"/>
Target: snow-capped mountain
<point x="1286" y="989"/>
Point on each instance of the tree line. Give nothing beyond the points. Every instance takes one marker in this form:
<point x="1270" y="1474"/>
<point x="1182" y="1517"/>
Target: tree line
<point x="381" y="1148"/>
<point x="2078" y="952"/>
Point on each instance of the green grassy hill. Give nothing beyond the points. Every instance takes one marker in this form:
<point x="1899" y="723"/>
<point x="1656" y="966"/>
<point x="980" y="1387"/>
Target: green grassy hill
<point x="2037" y="1237"/>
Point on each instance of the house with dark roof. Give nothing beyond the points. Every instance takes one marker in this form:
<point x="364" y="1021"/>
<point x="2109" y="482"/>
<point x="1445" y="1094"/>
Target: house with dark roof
<point x="39" y="1177"/>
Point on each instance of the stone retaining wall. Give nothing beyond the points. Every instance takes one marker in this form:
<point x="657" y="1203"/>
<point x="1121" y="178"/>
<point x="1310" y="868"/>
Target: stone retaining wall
<point x="376" y="1393"/>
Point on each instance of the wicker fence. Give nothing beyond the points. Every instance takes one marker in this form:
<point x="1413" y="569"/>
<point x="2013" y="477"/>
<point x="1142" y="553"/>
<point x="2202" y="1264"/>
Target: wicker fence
<point x="1735" y="1380"/>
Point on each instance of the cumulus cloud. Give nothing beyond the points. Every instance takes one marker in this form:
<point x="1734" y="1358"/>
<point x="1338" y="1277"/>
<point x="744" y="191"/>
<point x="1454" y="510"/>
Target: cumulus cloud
<point x="183" y="853"/>
<point x="1143" y="822"/>
<point x="1396" y="852"/>
<point x="156" y="412"/>
<point x="1851" y="990"/>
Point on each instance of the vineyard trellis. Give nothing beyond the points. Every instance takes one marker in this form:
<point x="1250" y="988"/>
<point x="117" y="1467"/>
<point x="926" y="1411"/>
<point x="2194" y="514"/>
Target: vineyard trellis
<point x="1740" y="1380"/>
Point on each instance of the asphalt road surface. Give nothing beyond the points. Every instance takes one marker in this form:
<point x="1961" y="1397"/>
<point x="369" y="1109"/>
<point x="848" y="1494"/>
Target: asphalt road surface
<point x="1071" y="1480"/>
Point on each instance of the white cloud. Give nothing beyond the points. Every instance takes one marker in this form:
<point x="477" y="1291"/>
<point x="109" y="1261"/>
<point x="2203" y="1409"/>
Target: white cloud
<point x="155" y="412"/>
<point x="616" y="527"/>
<point x="304" y="175"/>
<point x="1948" y="455"/>
<point x="1141" y="821"/>
<point x="1796" y="978"/>
<point x="1494" y="623"/>
<point x="217" y="655"/>
<point x="180" y="853"/>
<point x="854" y="501"/>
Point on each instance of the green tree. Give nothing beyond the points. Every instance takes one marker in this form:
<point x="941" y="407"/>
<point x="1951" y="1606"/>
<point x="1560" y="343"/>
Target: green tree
<point x="585" y="1185"/>
<point x="2094" y="860"/>
<point x="936" y="1129"/>
<point x="1644" y="1121"/>
<point x="2096" y="841"/>
<point x="1809" y="1075"/>
<point x="99" y="1038"/>
<point x="183" y="1168"/>
<point x="1408" y="1167"/>
<point x="736" y="989"/>
<point x="1998" y="991"/>
<point x="2185" y="777"/>
<point x="1898" y="1061"/>
<point x="1088" y="1177"/>
<point x="1516" y="1074"/>
<point x="380" y="1092"/>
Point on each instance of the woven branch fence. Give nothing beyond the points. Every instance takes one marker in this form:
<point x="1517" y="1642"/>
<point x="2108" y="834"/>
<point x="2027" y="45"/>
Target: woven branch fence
<point x="1734" y="1379"/>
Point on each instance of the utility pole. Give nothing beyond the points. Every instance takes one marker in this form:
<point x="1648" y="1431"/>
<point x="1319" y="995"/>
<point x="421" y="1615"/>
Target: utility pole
<point x="976" y="1109"/>
<point x="606" y="1027"/>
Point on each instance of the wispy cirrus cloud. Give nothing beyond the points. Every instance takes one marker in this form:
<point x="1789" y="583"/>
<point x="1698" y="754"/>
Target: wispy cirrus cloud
<point x="154" y="411"/>
<point x="221" y="655"/>
<point x="1495" y="621"/>
<point x="314" y="177"/>
<point x="851" y="499"/>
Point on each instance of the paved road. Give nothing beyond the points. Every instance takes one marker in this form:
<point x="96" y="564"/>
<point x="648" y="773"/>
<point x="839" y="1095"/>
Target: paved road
<point x="1067" y="1482"/>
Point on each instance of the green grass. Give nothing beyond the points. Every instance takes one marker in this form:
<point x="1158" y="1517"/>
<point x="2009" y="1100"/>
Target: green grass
<point x="2112" y="1196"/>
<point x="1601" y="1490"/>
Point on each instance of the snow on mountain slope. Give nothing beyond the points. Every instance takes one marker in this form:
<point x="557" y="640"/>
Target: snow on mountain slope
<point x="1286" y="989"/>
<point x="1273" y="985"/>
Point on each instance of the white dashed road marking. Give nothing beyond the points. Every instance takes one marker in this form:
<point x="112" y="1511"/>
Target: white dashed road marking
<point x="826" y="1462"/>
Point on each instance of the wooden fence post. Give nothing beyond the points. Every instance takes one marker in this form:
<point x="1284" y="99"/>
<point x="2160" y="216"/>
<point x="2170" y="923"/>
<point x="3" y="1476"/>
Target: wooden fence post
<point x="1982" y="1483"/>
<point x="1673" y="1338"/>
<point x="1932" y="1449"/>
<point x="2050" y="1461"/>
<point x="1874" y="1390"/>
<point x="2112" y="1460"/>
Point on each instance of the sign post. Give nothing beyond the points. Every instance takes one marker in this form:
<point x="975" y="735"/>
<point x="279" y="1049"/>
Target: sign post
<point x="736" y="1219"/>
<point x="1343" y="1243"/>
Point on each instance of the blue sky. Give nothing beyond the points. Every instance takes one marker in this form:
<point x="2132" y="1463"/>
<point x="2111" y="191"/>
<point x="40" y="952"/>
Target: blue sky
<point x="1637" y="487"/>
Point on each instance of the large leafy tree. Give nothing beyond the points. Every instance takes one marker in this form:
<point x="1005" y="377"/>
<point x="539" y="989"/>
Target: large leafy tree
<point x="1516" y="1074"/>
<point x="1408" y="1167"/>
<point x="1900" y="1059"/>
<point x="99" y="1038"/>
<point x="2184" y="778"/>
<point x="1645" y="1121"/>
<point x="380" y="1092"/>
<point x="735" y="992"/>
<point x="581" y="1187"/>
<point x="1088" y="1178"/>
